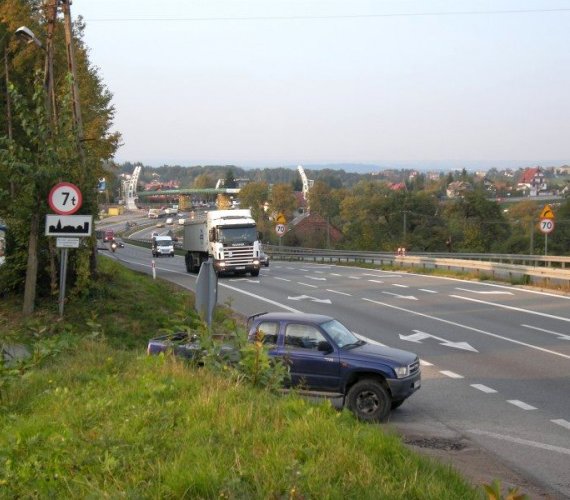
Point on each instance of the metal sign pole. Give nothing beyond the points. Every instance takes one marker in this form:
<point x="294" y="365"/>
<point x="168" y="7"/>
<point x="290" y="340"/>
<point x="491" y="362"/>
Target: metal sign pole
<point x="546" y="244"/>
<point x="62" y="279"/>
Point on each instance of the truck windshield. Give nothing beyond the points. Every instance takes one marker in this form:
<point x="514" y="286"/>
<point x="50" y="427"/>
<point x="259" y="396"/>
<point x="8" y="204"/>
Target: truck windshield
<point x="339" y="333"/>
<point x="231" y="235"/>
<point x="164" y="243"/>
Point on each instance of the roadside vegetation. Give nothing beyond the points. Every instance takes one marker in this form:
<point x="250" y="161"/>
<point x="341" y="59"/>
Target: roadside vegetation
<point x="89" y="414"/>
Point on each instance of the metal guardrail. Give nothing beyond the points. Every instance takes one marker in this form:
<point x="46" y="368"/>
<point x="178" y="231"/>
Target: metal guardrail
<point x="548" y="270"/>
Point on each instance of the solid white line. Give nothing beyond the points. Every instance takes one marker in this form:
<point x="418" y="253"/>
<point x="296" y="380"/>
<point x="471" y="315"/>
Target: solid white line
<point x="521" y="404"/>
<point x="401" y="286"/>
<point x="427" y="290"/>
<point x="469" y="328"/>
<point x="534" y="444"/>
<point x="493" y="292"/>
<point x="483" y="388"/>
<point x="423" y="362"/>
<point x="340" y="293"/>
<point x="511" y="308"/>
<point x="451" y="374"/>
<point x="562" y="422"/>
<point x="282" y="279"/>
<point x="375" y="281"/>
<point x="306" y="284"/>
<point x="383" y="275"/>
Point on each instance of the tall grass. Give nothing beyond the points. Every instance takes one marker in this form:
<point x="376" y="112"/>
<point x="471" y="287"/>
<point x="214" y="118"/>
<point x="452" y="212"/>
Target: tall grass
<point x="105" y="421"/>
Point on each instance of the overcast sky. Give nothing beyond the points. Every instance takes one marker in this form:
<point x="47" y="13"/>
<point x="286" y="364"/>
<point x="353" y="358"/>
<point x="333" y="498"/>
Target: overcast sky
<point x="285" y="82"/>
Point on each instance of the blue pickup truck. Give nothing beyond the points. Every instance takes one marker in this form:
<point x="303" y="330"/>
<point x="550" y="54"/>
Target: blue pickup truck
<point x="325" y="357"/>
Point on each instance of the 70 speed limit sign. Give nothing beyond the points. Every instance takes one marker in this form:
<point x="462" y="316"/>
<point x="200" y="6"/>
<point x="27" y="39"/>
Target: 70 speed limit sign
<point x="546" y="225"/>
<point x="280" y="229"/>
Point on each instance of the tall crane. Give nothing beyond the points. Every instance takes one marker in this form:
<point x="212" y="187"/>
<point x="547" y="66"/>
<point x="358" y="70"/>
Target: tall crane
<point x="307" y="183"/>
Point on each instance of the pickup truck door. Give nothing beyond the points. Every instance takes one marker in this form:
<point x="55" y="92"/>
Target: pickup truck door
<point x="310" y="367"/>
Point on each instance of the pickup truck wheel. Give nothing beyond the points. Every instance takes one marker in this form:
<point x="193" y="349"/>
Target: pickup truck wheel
<point x="255" y="273"/>
<point x="369" y="401"/>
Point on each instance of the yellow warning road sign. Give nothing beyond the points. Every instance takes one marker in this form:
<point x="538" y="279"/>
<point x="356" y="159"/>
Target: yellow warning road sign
<point x="546" y="213"/>
<point x="281" y="219"/>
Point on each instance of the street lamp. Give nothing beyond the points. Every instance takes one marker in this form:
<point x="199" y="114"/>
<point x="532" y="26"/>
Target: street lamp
<point x="28" y="36"/>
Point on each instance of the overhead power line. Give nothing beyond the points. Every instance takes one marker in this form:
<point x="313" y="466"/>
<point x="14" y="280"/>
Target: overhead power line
<point x="327" y="17"/>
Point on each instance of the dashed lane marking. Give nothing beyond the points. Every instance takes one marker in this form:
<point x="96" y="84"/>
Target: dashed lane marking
<point x="306" y="284"/>
<point x="562" y="422"/>
<point x="521" y="404"/>
<point x="427" y="290"/>
<point x="375" y="281"/>
<point x="450" y="374"/>
<point x="281" y="279"/>
<point x="340" y="293"/>
<point x="401" y="286"/>
<point x="484" y="388"/>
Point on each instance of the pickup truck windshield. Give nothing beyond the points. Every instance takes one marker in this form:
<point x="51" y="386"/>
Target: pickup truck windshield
<point x="231" y="235"/>
<point x="339" y="333"/>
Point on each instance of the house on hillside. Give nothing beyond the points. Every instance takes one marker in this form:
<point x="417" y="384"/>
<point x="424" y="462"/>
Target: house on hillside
<point x="313" y="230"/>
<point x="532" y="181"/>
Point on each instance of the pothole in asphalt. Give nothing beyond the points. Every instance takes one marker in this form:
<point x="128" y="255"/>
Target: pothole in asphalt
<point x="436" y="443"/>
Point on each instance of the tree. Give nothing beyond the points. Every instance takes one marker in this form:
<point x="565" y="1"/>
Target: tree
<point x="43" y="152"/>
<point x="322" y="201"/>
<point x="254" y="195"/>
<point x="230" y="181"/>
<point x="283" y="200"/>
<point x="204" y="181"/>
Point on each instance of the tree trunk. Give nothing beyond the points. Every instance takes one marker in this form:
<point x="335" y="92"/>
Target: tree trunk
<point x="32" y="267"/>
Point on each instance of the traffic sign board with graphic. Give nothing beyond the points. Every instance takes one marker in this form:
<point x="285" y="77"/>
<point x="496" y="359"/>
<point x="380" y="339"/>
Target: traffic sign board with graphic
<point x="65" y="198"/>
<point x="280" y="229"/>
<point x="547" y="213"/>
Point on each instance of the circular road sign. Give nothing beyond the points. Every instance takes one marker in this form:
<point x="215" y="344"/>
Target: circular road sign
<point x="65" y="198"/>
<point x="546" y="225"/>
<point x="280" y="229"/>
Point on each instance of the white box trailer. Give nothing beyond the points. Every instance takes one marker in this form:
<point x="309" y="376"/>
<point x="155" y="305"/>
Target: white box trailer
<point x="228" y="237"/>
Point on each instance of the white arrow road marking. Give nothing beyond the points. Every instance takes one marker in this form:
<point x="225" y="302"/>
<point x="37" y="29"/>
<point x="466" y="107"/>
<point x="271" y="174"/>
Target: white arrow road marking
<point x="450" y="374"/>
<point x="562" y="422"/>
<point x="419" y="336"/>
<point x="492" y="292"/>
<point x="409" y="297"/>
<point x="561" y="336"/>
<point x="511" y="308"/>
<point x="315" y="278"/>
<point x="313" y="299"/>
<point x="466" y="327"/>
<point x="535" y="444"/>
<point x="483" y="388"/>
<point x="521" y="404"/>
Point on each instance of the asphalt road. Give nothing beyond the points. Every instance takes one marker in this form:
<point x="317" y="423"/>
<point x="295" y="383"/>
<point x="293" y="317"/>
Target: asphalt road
<point x="495" y="359"/>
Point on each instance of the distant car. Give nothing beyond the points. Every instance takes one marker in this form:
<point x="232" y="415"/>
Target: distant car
<point x="264" y="259"/>
<point x="160" y="224"/>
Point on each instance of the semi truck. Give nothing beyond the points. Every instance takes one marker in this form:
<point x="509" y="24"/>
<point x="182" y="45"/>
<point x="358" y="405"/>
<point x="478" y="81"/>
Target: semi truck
<point x="228" y="237"/>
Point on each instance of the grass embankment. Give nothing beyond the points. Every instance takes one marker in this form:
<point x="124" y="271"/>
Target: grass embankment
<point x="98" y="418"/>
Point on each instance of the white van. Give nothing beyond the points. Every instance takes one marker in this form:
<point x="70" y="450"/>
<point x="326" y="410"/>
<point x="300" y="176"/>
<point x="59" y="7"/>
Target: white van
<point x="162" y="245"/>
